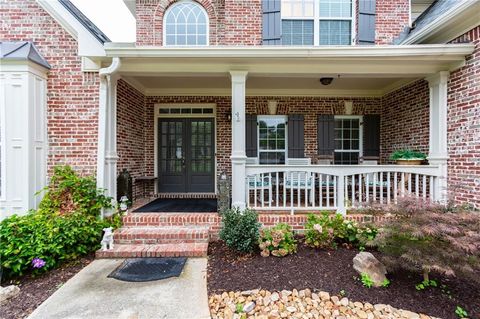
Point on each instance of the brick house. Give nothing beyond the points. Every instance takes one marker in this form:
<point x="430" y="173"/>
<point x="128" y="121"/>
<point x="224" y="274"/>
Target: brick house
<point x="300" y="103"/>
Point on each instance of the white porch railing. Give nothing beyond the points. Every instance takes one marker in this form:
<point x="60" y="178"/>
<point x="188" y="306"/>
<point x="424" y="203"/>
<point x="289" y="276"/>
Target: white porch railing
<point x="336" y="187"/>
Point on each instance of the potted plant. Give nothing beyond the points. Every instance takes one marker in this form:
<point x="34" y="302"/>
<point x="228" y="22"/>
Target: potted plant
<point x="408" y="157"/>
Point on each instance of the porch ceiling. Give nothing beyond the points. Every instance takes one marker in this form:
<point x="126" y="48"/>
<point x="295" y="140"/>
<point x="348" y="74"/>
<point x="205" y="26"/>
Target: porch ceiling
<point x="292" y="85"/>
<point x="358" y="70"/>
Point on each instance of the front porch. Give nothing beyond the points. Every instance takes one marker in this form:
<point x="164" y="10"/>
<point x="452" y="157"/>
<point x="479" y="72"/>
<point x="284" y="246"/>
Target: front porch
<point x="287" y="143"/>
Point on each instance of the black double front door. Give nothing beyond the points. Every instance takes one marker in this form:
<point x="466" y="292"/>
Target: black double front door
<point x="186" y="155"/>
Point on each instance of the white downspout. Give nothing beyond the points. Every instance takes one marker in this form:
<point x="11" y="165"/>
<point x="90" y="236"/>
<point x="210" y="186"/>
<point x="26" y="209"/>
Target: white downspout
<point x="106" y="101"/>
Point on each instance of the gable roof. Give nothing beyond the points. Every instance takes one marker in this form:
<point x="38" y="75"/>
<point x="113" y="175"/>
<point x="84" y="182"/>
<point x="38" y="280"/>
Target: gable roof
<point x="87" y="23"/>
<point x="23" y="50"/>
<point x="441" y="16"/>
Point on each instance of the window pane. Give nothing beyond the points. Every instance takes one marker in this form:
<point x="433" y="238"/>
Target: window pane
<point x="297" y="32"/>
<point x="186" y="24"/>
<point x="335" y="8"/>
<point x="335" y="32"/>
<point x="297" y="8"/>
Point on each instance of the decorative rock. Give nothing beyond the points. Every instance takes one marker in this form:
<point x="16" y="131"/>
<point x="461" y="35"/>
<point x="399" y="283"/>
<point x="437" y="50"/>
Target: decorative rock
<point x="335" y="300"/>
<point x="249" y="307"/>
<point x="409" y="314"/>
<point x="324" y="295"/>
<point x="291" y="309"/>
<point x="8" y="292"/>
<point x="344" y="301"/>
<point x="365" y="263"/>
<point x="275" y="297"/>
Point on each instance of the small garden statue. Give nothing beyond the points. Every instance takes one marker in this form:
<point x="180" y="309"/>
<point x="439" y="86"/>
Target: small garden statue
<point x="107" y="241"/>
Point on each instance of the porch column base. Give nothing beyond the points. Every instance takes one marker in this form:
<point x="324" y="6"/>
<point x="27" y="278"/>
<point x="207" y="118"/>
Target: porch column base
<point x="238" y="181"/>
<point x="440" y="189"/>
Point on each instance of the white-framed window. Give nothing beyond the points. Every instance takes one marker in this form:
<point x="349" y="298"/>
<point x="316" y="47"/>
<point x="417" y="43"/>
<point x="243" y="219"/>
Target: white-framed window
<point x="272" y="139"/>
<point x="185" y="23"/>
<point x="348" y="135"/>
<point x="317" y="22"/>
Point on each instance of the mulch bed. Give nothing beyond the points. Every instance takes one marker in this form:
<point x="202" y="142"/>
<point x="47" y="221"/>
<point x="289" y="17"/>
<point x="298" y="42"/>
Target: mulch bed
<point x="35" y="290"/>
<point x="332" y="271"/>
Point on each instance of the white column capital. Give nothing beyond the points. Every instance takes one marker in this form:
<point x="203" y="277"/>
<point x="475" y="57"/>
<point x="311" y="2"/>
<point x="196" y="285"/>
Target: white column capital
<point x="238" y="76"/>
<point x="440" y="78"/>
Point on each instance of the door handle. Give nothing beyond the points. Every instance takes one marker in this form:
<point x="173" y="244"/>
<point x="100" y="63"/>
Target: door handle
<point x="183" y="161"/>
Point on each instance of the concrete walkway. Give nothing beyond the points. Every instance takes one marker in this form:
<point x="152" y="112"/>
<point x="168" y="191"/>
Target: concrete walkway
<point x="90" y="294"/>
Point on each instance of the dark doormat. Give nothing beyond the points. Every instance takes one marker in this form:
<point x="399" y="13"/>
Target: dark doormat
<point x="148" y="269"/>
<point x="183" y="205"/>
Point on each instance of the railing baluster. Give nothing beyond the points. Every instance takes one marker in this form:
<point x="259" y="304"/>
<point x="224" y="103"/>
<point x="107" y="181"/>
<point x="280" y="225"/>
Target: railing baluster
<point x="312" y="187"/>
<point x="328" y="190"/>
<point x="367" y="188"/>
<point x="255" y="189"/>
<point x="305" y="187"/>
<point x="335" y="204"/>
<point x="277" y="181"/>
<point x="262" y="185"/>
<point x="409" y="183"/>
<point x="353" y="190"/>
<point x="374" y="187"/>
<point x="320" y="190"/>
<point x="381" y="187"/>
<point x="298" y="190"/>
<point x="431" y="188"/>
<point x="270" y="190"/>
<point x="285" y="189"/>
<point x="360" y="189"/>
<point x="291" y="191"/>
<point x="416" y="186"/>
<point x="424" y="186"/>
<point x="403" y="184"/>
<point x="345" y="190"/>
<point x="395" y="187"/>
<point x="388" y="188"/>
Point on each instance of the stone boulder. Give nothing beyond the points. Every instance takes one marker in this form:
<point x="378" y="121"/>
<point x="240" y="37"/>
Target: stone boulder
<point x="8" y="292"/>
<point x="366" y="263"/>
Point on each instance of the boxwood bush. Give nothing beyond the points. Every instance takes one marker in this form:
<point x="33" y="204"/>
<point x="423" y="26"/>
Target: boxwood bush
<point x="66" y="226"/>
<point x="240" y="229"/>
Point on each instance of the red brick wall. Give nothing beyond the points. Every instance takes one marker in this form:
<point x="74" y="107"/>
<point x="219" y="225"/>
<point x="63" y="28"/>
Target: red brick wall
<point x="392" y="16"/>
<point x="131" y="132"/>
<point x="464" y="126"/>
<point x="309" y="106"/>
<point x="243" y="22"/>
<point x="405" y="119"/>
<point x="72" y="98"/>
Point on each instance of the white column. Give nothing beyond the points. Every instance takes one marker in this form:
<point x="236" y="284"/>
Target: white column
<point x="107" y="131"/>
<point x="438" y="150"/>
<point x="238" y="157"/>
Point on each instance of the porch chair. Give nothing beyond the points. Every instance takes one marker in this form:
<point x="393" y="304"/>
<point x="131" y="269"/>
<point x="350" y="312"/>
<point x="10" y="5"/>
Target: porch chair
<point x="255" y="182"/>
<point x="300" y="180"/>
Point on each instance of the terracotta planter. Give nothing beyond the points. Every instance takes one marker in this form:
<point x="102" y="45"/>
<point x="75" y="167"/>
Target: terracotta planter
<point x="409" y="162"/>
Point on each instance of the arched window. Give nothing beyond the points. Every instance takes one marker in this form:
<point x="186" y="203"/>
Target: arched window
<point x="186" y="23"/>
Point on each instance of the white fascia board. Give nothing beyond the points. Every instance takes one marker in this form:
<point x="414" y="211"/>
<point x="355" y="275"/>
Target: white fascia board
<point x="440" y="51"/>
<point x="453" y="23"/>
<point x="88" y="45"/>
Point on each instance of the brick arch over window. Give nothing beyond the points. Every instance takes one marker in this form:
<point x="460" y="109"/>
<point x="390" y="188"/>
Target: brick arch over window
<point x="160" y="10"/>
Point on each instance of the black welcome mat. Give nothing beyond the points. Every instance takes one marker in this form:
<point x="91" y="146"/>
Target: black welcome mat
<point x="179" y="205"/>
<point x="148" y="269"/>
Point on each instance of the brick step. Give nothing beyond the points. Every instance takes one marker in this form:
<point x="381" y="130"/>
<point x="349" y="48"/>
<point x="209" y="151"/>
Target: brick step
<point x="161" y="235"/>
<point x="171" y="219"/>
<point x="156" y="250"/>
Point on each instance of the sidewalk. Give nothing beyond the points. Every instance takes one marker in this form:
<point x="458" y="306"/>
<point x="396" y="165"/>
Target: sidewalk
<point x="90" y="294"/>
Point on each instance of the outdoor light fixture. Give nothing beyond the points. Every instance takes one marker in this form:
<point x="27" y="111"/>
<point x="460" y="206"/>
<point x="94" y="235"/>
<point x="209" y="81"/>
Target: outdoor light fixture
<point x="326" y="81"/>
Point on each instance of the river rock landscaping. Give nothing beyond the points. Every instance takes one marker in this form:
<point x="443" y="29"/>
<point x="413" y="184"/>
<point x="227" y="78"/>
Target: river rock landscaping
<point x="323" y="284"/>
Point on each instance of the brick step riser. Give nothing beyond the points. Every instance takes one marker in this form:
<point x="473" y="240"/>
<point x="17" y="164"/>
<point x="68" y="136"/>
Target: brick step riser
<point x="152" y="241"/>
<point x="140" y="254"/>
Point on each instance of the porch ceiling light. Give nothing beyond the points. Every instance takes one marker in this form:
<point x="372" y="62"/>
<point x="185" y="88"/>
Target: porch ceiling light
<point x="326" y="81"/>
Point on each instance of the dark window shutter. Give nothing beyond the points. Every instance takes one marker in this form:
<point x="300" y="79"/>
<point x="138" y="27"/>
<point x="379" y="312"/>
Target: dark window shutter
<point x="271" y="32"/>
<point x="296" y="137"/>
<point x="325" y="134"/>
<point x="371" y="135"/>
<point x="251" y="136"/>
<point x="366" y="22"/>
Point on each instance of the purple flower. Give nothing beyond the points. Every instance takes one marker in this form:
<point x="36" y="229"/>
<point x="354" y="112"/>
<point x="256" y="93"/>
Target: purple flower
<point x="38" y="263"/>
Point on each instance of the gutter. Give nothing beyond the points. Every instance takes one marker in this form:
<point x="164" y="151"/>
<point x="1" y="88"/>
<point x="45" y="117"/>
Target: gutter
<point x="439" y="23"/>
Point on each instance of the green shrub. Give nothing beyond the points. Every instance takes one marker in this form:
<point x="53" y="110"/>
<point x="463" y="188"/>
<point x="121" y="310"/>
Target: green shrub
<point x="278" y="241"/>
<point x="406" y="154"/>
<point x="65" y="227"/>
<point x="326" y="231"/>
<point x="69" y="192"/>
<point x="240" y="229"/>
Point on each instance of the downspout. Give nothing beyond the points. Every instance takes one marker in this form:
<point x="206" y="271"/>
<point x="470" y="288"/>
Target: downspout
<point x="105" y="106"/>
